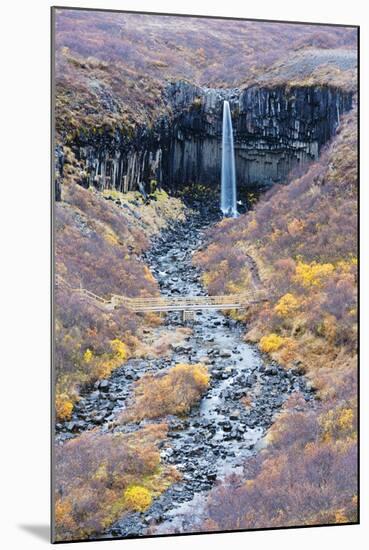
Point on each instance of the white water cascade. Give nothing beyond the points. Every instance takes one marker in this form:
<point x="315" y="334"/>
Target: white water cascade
<point x="228" y="201"/>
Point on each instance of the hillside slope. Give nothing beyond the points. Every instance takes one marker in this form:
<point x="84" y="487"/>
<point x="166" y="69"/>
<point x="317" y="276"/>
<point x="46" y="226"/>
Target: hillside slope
<point x="97" y="246"/>
<point x="111" y="68"/>
<point x="303" y="240"/>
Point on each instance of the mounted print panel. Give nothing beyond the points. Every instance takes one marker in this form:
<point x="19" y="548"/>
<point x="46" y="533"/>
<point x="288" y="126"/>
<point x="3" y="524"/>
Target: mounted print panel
<point x="205" y="238"/>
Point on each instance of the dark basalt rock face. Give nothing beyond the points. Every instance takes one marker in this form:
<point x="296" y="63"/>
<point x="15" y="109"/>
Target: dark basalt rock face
<point x="275" y="130"/>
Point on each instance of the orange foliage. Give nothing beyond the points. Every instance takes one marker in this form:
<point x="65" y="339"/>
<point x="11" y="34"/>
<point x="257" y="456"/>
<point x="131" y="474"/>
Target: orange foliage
<point x="97" y="248"/>
<point x="173" y="392"/>
<point x="307" y="474"/>
<point x="63" y="406"/>
<point x="100" y="477"/>
<point x="302" y="478"/>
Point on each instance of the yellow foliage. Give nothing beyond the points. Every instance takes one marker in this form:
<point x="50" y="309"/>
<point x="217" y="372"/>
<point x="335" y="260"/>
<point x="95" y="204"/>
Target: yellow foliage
<point x="171" y="393"/>
<point x="340" y="516"/>
<point x="63" y="406"/>
<point x="330" y="327"/>
<point x="253" y="224"/>
<point x="120" y="349"/>
<point x="312" y="274"/>
<point x="234" y="288"/>
<point x="270" y="343"/>
<point x="137" y="498"/>
<point x="286" y="305"/>
<point x="196" y="104"/>
<point x="237" y="315"/>
<point x="345" y="420"/>
<point x="201" y="375"/>
<point x="345" y="266"/>
<point x="63" y="515"/>
<point x="337" y="423"/>
<point x="207" y="278"/>
<point x="113" y="193"/>
<point x="198" y="372"/>
<point x="160" y="195"/>
<point x="328" y="422"/>
<point x="101" y="366"/>
<point x="87" y="356"/>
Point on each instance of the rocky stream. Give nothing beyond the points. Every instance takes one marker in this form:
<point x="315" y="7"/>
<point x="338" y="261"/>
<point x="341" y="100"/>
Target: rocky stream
<point x="218" y="436"/>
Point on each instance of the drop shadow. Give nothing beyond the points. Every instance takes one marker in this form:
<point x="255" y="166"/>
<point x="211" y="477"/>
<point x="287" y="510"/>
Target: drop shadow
<point x="40" y="531"/>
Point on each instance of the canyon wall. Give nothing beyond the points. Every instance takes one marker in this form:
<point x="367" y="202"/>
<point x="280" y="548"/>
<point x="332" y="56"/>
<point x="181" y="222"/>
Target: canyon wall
<point x="275" y="130"/>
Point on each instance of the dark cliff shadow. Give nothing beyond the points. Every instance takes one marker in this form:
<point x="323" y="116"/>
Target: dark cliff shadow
<point x="40" y="531"/>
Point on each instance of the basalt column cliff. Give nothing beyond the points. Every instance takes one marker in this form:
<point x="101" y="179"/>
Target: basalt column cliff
<point x="275" y="130"/>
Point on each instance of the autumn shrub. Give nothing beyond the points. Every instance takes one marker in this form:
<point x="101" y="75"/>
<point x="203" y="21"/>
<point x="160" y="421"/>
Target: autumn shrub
<point x="296" y="488"/>
<point x="303" y="237"/>
<point x="63" y="406"/>
<point x="173" y="392"/>
<point x="303" y="477"/>
<point x="339" y="423"/>
<point x="86" y="345"/>
<point x="286" y="305"/>
<point x="137" y="498"/>
<point x="100" y="477"/>
<point x="271" y="343"/>
<point x="101" y="365"/>
<point x="97" y="248"/>
<point x="312" y="274"/>
<point x="133" y="67"/>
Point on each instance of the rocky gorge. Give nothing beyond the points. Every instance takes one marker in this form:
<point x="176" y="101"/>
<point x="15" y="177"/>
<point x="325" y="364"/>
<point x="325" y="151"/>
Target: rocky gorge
<point x="219" y="434"/>
<point x="207" y="420"/>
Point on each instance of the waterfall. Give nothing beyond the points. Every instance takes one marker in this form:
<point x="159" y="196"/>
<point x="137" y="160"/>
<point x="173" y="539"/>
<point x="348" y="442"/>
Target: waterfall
<point x="228" y="202"/>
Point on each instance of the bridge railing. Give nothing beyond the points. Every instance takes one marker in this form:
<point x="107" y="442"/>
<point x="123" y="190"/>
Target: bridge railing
<point x="191" y="302"/>
<point x="166" y="303"/>
<point x="59" y="281"/>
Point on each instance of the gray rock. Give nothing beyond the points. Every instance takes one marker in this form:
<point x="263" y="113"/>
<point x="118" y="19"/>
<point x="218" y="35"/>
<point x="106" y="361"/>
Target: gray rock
<point x="235" y="415"/>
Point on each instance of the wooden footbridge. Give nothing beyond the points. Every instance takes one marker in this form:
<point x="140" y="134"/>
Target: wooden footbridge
<point x="185" y="304"/>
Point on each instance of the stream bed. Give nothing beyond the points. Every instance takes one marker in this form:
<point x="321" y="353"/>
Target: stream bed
<point x="219" y="434"/>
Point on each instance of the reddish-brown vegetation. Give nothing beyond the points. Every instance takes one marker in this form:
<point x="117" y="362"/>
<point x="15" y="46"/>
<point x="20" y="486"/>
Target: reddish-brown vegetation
<point x="303" y="238"/>
<point x="100" y="477"/>
<point x="111" y="67"/>
<point x="97" y="247"/>
<point x="192" y="48"/>
<point x="173" y="392"/>
<point x="307" y="475"/>
<point x="110" y="72"/>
